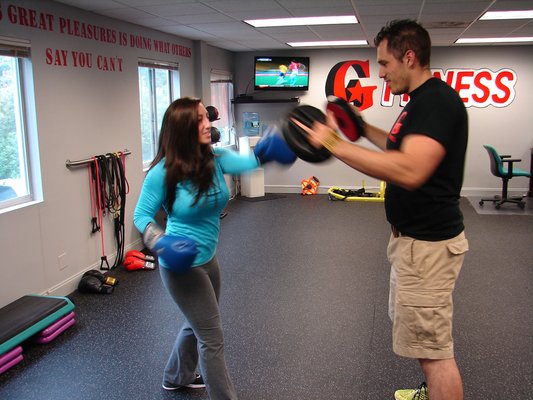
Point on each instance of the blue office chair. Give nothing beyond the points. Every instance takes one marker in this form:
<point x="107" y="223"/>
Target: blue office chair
<point x="505" y="173"/>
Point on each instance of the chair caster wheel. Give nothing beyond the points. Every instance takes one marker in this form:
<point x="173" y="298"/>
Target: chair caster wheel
<point x="481" y="203"/>
<point x="498" y="206"/>
<point x="522" y="205"/>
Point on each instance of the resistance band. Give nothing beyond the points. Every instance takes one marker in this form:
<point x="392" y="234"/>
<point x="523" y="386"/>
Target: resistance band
<point x="110" y="187"/>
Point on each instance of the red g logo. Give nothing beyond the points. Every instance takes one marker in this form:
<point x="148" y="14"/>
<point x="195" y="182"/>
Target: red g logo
<point x="355" y="93"/>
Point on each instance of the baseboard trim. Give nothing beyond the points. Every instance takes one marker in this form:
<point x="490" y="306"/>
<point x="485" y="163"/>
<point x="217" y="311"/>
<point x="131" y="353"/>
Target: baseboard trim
<point x="323" y="189"/>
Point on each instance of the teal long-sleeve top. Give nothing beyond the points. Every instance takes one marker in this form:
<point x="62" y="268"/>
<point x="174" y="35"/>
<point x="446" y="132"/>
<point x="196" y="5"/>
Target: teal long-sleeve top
<point x="200" y="222"/>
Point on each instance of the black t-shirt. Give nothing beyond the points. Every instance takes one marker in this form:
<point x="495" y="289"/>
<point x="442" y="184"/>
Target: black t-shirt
<point x="432" y="211"/>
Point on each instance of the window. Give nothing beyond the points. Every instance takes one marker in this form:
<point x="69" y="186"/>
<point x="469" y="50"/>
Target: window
<point x="221" y="95"/>
<point x="158" y="87"/>
<point x="17" y="179"/>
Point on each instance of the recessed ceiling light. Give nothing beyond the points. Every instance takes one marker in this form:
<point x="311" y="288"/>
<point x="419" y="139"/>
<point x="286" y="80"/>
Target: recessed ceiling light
<point x="329" y="43"/>
<point x="523" y="14"/>
<point x="495" y="40"/>
<point x="340" y="19"/>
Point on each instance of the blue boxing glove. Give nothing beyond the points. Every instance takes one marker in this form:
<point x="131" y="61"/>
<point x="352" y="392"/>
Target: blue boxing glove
<point x="176" y="252"/>
<point x="273" y="148"/>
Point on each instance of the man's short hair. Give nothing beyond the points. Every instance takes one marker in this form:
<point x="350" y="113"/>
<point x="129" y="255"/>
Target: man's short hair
<point x="403" y="35"/>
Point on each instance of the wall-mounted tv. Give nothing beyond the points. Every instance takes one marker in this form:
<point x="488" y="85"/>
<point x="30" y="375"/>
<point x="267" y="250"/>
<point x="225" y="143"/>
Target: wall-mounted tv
<point x="281" y="73"/>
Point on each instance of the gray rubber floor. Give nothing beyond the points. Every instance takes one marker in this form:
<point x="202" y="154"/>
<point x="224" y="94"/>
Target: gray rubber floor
<point x="304" y="308"/>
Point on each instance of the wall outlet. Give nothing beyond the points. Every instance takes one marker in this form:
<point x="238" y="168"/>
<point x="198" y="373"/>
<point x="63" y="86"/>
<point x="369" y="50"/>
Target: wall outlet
<point x="62" y="261"/>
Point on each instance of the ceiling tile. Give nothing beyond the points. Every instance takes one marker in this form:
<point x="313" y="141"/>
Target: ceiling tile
<point x="219" y="22"/>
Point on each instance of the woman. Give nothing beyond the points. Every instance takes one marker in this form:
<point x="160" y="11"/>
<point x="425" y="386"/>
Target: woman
<point x="186" y="178"/>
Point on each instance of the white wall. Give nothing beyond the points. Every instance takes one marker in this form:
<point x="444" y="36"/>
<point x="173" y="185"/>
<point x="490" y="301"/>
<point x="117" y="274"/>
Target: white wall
<point x="508" y="129"/>
<point x="81" y="112"/>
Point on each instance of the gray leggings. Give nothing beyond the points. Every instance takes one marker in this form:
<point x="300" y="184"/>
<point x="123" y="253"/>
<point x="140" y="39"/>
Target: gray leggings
<point x="200" y="339"/>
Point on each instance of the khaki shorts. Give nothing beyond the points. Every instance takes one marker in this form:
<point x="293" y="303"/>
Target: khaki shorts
<point x="422" y="280"/>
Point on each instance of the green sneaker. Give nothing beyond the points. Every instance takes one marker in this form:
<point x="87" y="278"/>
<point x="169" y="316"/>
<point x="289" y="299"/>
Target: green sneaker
<point x="421" y="393"/>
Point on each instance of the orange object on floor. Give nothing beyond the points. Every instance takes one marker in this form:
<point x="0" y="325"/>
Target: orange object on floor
<point x="310" y="186"/>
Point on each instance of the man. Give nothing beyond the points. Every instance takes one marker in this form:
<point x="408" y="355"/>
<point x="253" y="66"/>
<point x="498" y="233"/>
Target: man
<point x="423" y="163"/>
<point x="282" y="72"/>
<point x="294" y="67"/>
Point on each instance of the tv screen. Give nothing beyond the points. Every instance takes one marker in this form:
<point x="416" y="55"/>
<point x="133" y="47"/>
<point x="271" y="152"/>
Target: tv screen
<point x="281" y="73"/>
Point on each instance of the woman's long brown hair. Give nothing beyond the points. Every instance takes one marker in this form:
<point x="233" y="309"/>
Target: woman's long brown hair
<point x="185" y="158"/>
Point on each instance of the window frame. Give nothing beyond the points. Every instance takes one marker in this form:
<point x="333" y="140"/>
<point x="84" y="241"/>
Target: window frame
<point x="172" y="70"/>
<point x="26" y="125"/>
<point x="225" y="107"/>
